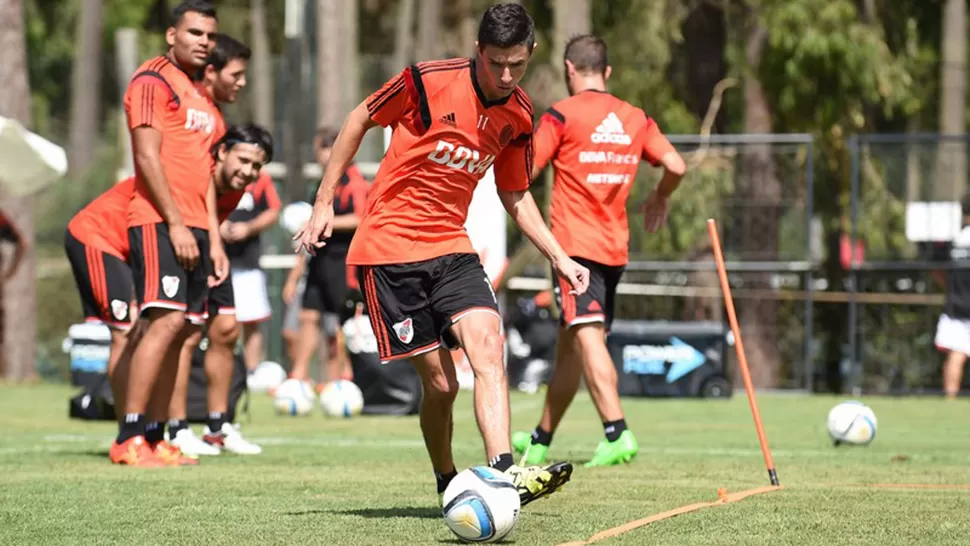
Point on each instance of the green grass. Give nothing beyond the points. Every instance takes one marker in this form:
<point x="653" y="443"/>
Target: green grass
<point x="367" y="480"/>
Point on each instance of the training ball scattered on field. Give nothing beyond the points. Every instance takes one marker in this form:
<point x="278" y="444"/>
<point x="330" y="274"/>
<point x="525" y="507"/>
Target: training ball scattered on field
<point x="265" y="377"/>
<point x="294" y="397"/>
<point x="852" y="423"/>
<point x="341" y="398"/>
<point x="295" y="215"/>
<point x="481" y="505"/>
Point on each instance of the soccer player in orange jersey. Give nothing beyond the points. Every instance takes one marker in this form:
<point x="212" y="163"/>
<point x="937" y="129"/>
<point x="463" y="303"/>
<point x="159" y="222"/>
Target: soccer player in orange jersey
<point x="425" y="287"/>
<point x="173" y="126"/>
<point x="595" y="142"/>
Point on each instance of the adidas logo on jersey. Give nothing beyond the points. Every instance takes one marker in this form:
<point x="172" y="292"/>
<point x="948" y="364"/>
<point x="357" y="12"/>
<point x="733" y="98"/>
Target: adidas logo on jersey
<point x="461" y="157"/>
<point x="610" y="132"/>
<point x="449" y="119"/>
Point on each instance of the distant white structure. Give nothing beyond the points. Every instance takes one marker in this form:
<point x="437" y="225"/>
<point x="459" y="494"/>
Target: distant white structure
<point x="28" y="162"/>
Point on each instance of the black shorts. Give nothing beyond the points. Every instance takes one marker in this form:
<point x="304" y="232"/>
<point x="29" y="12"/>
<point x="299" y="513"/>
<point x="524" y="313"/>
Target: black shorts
<point x="160" y="282"/>
<point x="597" y="303"/>
<point x="222" y="299"/>
<point x="326" y="282"/>
<point x="104" y="282"/>
<point x="412" y="306"/>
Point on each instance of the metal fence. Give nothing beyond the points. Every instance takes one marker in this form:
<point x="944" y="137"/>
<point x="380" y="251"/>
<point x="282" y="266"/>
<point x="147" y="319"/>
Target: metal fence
<point x="901" y="187"/>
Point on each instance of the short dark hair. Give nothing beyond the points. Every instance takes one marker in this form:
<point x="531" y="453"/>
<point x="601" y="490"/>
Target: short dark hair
<point x="506" y="25"/>
<point x="227" y="49"/>
<point x="249" y="133"/>
<point x="326" y="137"/>
<point x="587" y="53"/>
<point x="202" y="7"/>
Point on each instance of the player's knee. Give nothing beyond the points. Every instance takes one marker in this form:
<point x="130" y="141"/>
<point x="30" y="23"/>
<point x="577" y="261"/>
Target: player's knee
<point x="224" y="332"/>
<point x="442" y="389"/>
<point x="168" y="321"/>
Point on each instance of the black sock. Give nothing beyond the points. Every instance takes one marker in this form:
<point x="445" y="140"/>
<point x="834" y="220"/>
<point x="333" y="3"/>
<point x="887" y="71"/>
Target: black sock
<point x="175" y="425"/>
<point x="444" y="479"/>
<point x="502" y="463"/>
<point x="613" y="429"/>
<point x="216" y="420"/>
<point x="133" y="425"/>
<point x="540" y="436"/>
<point x="154" y="432"/>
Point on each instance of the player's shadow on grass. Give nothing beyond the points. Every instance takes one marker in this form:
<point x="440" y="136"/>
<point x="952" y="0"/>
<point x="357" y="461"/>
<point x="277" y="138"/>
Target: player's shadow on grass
<point x="411" y="512"/>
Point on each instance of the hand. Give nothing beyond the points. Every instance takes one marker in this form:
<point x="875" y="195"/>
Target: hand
<point x="185" y="246"/>
<point x="289" y="292"/>
<point x="238" y="231"/>
<point x="655" y="210"/>
<point x="577" y="275"/>
<point x="220" y="265"/>
<point x="320" y="226"/>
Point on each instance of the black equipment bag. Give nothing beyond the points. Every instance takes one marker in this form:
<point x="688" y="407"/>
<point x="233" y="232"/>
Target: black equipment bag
<point x="197" y="410"/>
<point x="94" y="403"/>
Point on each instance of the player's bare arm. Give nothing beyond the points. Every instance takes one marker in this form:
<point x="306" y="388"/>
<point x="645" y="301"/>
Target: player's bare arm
<point x="239" y="231"/>
<point x="321" y="223"/>
<point x="146" y="143"/>
<point x="657" y="206"/>
<point x="522" y="207"/>
<point x="217" y="251"/>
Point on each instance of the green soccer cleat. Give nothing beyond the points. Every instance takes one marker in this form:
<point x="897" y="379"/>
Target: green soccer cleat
<point x="532" y="454"/>
<point x="623" y="450"/>
<point x="536" y="482"/>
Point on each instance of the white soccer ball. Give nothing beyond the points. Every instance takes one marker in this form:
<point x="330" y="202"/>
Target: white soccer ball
<point x="853" y="423"/>
<point x="265" y="377"/>
<point x="341" y="398"/>
<point x="294" y="397"/>
<point x="481" y="504"/>
<point x="295" y="215"/>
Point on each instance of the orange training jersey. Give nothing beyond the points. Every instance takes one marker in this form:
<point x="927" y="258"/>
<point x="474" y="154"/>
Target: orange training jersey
<point x="161" y="95"/>
<point x="446" y="136"/>
<point x="595" y="142"/>
<point x="103" y="224"/>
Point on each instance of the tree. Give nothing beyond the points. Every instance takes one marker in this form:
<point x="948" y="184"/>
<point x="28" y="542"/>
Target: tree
<point x="19" y="296"/>
<point x="951" y="168"/>
<point x="85" y="89"/>
<point x="261" y="67"/>
<point x="429" y="30"/>
<point x="330" y="69"/>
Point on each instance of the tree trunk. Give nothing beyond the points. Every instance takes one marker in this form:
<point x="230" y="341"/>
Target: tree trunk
<point x="404" y="39"/>
<point x="350" y="73"/>
<point x="85" y="89"/>
<point x="705" y="36"/>
<point x="468" y="31"/>
<point x="19" y="295"/>
<point x="760" y="194"/>
<point x="570" y="17"/>
<point x="261" y="67"/>
<point x="951" y="165"/>
<point x="429" y="30"/>
<point x="329" y="63"/>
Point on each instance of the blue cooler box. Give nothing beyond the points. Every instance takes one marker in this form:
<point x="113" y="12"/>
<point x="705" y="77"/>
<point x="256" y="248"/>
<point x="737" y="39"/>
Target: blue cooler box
<point x="89" y="345"/>
<point x="671" y="359"/>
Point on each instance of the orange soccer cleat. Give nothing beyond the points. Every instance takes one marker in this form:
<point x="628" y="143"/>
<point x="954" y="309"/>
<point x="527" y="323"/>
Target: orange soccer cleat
<point x="134" y="452"/>
<point x="171" y="455"/>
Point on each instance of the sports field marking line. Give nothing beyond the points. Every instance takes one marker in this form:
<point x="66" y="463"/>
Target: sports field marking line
<point x="939" y="486"/>
<point x="723" y="498"/>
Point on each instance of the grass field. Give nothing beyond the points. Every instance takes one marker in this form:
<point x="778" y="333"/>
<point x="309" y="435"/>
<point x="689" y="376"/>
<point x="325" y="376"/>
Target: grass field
<point x="367" y="481"/>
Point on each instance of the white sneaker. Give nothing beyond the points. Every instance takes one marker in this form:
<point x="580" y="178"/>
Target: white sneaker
<point x="230" y="439"/>
<point x="191" y="445"/>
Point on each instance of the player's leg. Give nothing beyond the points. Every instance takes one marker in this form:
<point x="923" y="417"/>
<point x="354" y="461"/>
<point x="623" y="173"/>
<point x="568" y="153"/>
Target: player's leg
<point x="466" y="311"/>
<point x="161" y="289"/>
<point x="398" y="308"/>
<point x="953" y="336"/>
<point x="310" y="316"/>
<point x="169" y="397"/>
<point x="291" y="321"/>
<point x="440" y="387"/>
<point x="220" y="363"/>
<point x="180" y="434"/>
<point x="334" y="292"/>
<point x="252" y="309"/>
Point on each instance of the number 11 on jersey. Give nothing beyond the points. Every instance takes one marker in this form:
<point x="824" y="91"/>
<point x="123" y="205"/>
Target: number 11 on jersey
<point x="482" y="121"/>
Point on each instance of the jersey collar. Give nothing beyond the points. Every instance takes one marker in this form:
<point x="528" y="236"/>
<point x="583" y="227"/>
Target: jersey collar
<point x="478" y="90"/>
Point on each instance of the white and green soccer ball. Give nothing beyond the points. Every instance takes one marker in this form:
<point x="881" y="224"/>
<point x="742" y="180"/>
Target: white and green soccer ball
<point x="481" y="504"/>
<point x="852" y="423"/>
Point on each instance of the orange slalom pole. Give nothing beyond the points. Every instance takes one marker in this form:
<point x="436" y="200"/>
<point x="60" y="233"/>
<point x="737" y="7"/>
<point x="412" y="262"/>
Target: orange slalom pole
<point x="739" y="347"/>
